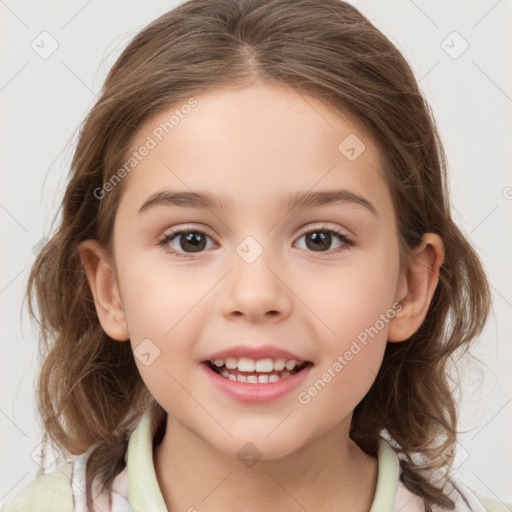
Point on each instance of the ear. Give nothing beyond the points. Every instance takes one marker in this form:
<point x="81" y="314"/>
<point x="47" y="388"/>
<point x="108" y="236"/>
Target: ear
<point x="104" y="287"/>
<point x="416" y="287"/>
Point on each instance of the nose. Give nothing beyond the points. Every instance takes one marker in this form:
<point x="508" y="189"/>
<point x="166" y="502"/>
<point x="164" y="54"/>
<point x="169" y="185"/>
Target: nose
<point x="257" y="287"/>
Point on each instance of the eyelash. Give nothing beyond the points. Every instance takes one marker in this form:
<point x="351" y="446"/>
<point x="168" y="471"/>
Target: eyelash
<point x="164" y="241"/>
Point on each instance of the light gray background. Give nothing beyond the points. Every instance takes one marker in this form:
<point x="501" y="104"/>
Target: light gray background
<point x="43" y="101"/>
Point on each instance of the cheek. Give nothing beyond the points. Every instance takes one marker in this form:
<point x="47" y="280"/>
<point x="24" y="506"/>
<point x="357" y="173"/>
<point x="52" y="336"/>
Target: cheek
<point x="349" y="297"/>
<point x="159" y="313"/>
<point x="155" y="301"/>
<point x="354" y="303"/>
<point x="356" y="308"/>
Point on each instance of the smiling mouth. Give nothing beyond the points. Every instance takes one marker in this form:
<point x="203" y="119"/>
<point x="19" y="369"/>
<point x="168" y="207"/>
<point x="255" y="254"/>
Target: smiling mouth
<point x="256" y="377"/>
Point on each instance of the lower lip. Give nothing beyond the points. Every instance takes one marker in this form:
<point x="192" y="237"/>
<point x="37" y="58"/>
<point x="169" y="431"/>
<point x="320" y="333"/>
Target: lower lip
<point x="257" y="393"/>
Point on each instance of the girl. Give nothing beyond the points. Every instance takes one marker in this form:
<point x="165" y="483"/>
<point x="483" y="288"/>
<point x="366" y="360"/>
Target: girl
<point x="256" y="286"/>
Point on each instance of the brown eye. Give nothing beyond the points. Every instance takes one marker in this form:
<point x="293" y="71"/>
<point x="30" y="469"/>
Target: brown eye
<point x="320" y="240"/>
<point x="192" y="241"/>
<point x="184" y="242"/>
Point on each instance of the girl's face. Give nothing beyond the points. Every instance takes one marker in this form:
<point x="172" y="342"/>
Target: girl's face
<point x="255" y="269"/>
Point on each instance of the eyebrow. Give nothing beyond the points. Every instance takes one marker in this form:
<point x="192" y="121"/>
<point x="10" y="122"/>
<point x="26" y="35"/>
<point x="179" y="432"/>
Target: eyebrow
<point x="298" y="199"/>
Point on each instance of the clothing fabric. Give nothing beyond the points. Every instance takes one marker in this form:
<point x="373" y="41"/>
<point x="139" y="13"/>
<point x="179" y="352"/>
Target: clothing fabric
<point x="136" y="489"/>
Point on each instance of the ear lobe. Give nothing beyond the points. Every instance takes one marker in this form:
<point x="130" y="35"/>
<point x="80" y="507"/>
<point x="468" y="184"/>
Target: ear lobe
<point x="102" y="281"/>
<point x="419" y="283"/>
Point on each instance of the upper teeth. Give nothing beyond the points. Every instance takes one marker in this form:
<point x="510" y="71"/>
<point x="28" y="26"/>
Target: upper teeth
<point x="244" y="364"/>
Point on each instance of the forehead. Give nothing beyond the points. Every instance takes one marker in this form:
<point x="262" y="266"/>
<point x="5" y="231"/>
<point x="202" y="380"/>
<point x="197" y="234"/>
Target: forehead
<point x="253" y="145"/>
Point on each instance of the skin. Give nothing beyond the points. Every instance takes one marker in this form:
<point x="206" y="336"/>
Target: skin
<point x="256" y="144"/>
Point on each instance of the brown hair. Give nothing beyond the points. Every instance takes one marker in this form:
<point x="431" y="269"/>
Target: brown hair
<point x="89" y="389"/>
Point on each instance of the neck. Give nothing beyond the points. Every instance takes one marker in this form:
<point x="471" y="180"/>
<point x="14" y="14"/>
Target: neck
<point x="330" y="473"/>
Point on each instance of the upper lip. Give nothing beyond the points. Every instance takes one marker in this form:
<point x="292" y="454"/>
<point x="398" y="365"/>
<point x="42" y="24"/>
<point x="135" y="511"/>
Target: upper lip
<point x="254" y="352"/>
